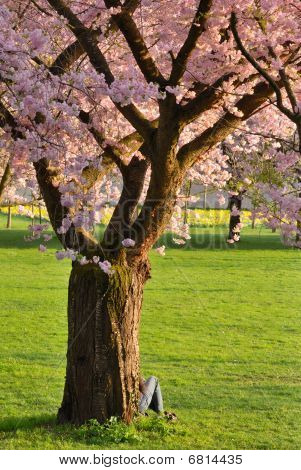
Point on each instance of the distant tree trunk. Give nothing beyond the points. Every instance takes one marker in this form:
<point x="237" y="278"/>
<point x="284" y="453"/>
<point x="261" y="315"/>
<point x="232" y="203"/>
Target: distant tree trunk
<point x="298" y="236"/>
<point x="40" y="214"/>
<point x="234" y="201"/>
<point x="103" y="365"/>
<point x="253" y="217"/>
<point x="8" y="223"/>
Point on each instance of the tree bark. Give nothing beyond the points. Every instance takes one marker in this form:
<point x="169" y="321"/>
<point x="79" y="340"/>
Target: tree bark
<point x="103" y="366"/>
<point x="8" y="222"/>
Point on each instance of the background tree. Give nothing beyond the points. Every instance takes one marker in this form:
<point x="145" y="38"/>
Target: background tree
<point x="288" y="100"/>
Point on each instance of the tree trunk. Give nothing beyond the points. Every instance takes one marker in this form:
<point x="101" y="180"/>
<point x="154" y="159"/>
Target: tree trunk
<point x="298" y="236"/>
<point x="253" y="217"/>
<point x="103" y="367"/>
<point x="8" y="222"/>
<point x="234" y="201"/>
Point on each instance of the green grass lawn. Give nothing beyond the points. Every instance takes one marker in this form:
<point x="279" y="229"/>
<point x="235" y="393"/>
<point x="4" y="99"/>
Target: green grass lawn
<point x="220" y="328"/>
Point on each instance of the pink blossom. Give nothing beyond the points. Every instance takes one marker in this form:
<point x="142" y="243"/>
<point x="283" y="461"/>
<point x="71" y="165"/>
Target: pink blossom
<point x="106" y="267"/>
<point x="66" y="224"/>
<point x="38" y="40"/>
<point x="179" y="241"/>
<point x="221" y="199"/>
<point x="233" y="193"/>
<point x="235" y="212"/>
<point x="60" y="255"/>
<point x="128" y="243"/>
<point x="161" y="250"/>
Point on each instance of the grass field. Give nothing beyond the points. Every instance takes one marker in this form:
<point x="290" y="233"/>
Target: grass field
<point x="221" y="330"/>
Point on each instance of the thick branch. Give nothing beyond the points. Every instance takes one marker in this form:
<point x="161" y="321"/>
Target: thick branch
<point x="249" y="104"/>
<point x="85" y="37"/>
<point x="66" y="58"/>
<point x="75" y="50"/>
<point x="120" y="224"/>
<point x="100" y="139"/>
<point x="135" y="40"/>
<point x="204" y="100"/>
<point x="196" y="29"/>
<point x="6" y="177"/>
<point x="288" y="88"/>
<point x="77" y="239"/>
<point x="158" y="206"/>
<point x="8" y="120"/>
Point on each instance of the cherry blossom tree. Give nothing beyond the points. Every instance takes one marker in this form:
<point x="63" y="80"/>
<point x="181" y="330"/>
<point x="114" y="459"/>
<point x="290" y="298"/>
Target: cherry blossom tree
<point x="267" y="169"/>
<point x="284" y="73"/>
<point x="144" y="89"/>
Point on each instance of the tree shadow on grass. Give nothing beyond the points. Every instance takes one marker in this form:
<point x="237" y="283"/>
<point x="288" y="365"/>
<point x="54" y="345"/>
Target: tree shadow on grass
<point x="39" y="432"/>
<point x="28" y="432"/>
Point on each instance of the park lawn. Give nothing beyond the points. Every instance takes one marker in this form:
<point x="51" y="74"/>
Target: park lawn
<point x="220" y="328"/>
